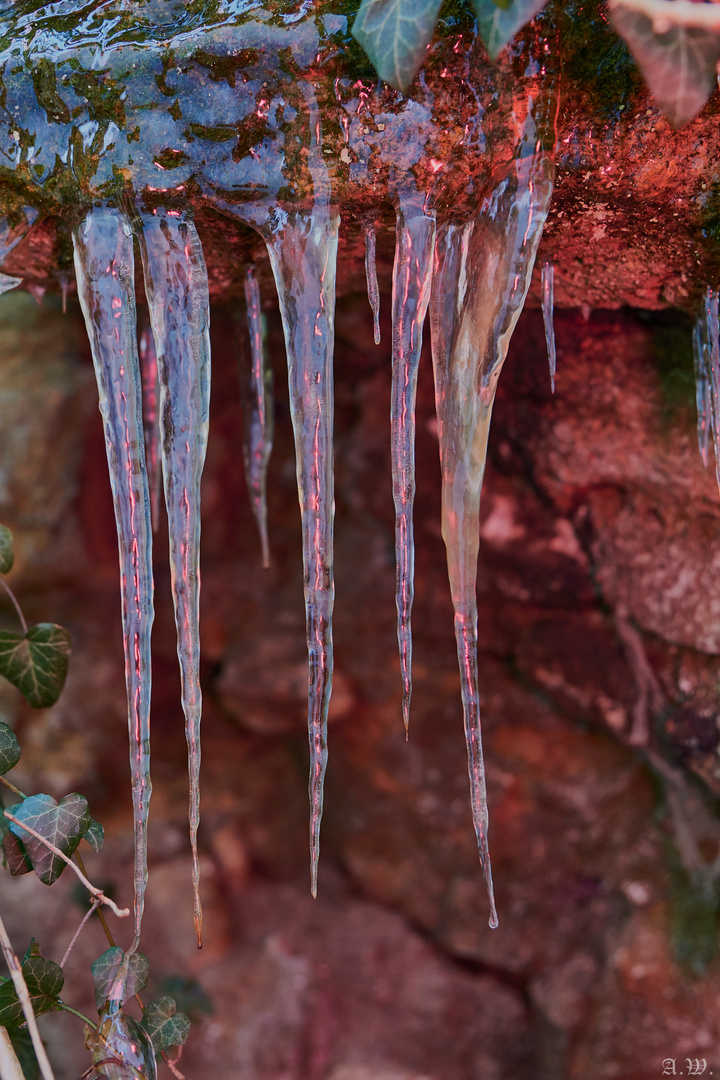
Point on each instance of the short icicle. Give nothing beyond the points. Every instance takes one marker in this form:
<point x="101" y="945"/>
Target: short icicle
<point x="702" y="389"/>
<point x="256" y="388"/>
<point x="481" y="279"/>
<point x="303" y="255"/>
<point x="104" y="266"/>
<point x="10" y="237"/>
<point x="548" y="291"/>
<point x="371" y="278"/>
<point x="151" y="419"/>
<point x="412" y="278"/>
<point x="176" y="285"/>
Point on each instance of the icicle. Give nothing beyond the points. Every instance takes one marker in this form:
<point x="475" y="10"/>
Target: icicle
<point x="151" y="419"/>
<point x="372" y="281"/>
<point x="256" y="386"/>
<point x="412" y="277"/>
<point x="548" y="283"/>
<point x="702" y="391"/>
<point x="481" y="280"/>
<point x="64" y="287"/>
<point x="176" y="285"/>
<point x="709" y="332"/>
<point x="104" y="266"/>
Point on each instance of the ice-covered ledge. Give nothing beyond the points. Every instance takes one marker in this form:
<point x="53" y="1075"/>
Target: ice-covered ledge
<point x="101" y="108"/>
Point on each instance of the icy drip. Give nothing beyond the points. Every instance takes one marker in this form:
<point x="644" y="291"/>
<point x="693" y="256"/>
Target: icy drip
<point x="150" y="392"/>
<point x="176" y="285"/>
<point x="482" y="275"/>
<point x="548" y="290"/>
<point x="104" y="265"/>
<point x="371" y="277"/>
<point x="303" y="255"/>
<point x="256" y="387"/>
<point x="9" y="239"/>
<point x="412" y="278"/>
<point x="706" y="357"/>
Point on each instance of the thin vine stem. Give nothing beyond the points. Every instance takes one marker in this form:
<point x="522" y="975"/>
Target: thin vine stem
<point x="98" y="893"/>
<point x="17" y="607"/>
<point x="12" y="787"/>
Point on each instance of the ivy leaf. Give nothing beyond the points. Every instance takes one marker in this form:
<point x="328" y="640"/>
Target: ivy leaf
<point x="164" y="1024"/>
<point x="677" y="65"/>
<point x="95" y="835"/>
<point x="36" y="662"/>
<point x="7" y="558"/>
<point x="44" y="980"/>
<point x="117" y="977"/>
<point x="395" y="35"/>
<point x="16" y="858"/>
<point x="498" y="24"/>
<point x="64" y="824"/>
<point x="9" y="749"/>
<point x="23" y="1047"/>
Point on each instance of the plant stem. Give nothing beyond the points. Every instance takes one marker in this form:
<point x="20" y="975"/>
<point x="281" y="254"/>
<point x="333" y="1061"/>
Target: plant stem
<point x="24" y="998"/>
<point x="77" y="933"/>
<point x="17" y="607"/>
<point x="102" y="898"/>
<point x="75" y="1012"/>
<point x="12" y="787"/>
<point x="9" y="1064"/>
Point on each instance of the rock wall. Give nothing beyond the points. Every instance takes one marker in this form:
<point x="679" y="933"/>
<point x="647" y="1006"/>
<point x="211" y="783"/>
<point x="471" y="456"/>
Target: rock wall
<point x="598" y="629"/>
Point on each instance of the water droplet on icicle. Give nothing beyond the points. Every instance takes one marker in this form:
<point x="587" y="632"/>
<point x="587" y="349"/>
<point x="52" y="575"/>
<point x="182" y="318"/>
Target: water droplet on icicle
<point x="256" y="389"/>
<point x="104" y="266"/>
<point x="371" y="278"/>
<point x="176" y="285"/>
<point x="412" y="278"/>
<point x="481" y="279"/>
<point x="151" y="416"/>
<point x="548" y="289"/>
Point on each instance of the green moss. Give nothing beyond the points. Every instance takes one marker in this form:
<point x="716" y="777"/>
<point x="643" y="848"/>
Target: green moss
<point x="694" y="909"/>
<point x="671" y="345"/>
<point x="595" y="59"/>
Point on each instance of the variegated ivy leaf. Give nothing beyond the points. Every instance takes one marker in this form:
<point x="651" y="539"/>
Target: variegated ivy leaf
<point x="9" y="749"/>
<point x="678" y="64"/>
<point x="164" y="1024"/>
<point x="117" y="976"/>
<point x="395" y="35"/>
<point x="44" y="980"/>
<point x="63" y="824"/>
<point x="36" y="662"/>
<point x="499" y="25"/>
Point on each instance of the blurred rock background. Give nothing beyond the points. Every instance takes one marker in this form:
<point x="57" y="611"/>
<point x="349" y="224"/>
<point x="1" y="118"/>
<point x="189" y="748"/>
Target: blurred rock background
<point x="599" y="624"/>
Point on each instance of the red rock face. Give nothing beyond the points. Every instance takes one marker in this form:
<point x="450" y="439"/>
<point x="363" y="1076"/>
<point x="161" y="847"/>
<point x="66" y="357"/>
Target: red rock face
<point x="597" y="630"/>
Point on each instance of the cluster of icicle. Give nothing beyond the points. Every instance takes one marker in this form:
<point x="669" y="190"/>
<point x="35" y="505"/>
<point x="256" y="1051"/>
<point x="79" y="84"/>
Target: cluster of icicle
<point x="154" y="389"/>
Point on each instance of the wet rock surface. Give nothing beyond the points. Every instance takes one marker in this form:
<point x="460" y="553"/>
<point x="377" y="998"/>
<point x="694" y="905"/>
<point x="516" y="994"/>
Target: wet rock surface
<point x="599" y="695"/>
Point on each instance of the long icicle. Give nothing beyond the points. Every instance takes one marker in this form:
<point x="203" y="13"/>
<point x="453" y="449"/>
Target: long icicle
<point x="702" y="389"/>
<point x="371" y="278"/>
<point x="548" y="297"/>
<point x="176" y="285"/>
<point x="256" y="388"/>
<point x="104" y="266"/>
<point x="489" y="272"/>
<point x="151" y="419"/>
<point x="303" y="255"/>
<point x="412" y="279"/>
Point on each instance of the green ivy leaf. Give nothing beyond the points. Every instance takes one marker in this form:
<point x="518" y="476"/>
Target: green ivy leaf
<point x="7" y="558"/>
<point x="36" y="662"/>
<point x="64" y="824"/>
<point x="164" y="1024"/>
<point x="395" y="35"/>
<point x="678" y="65"/>
<point x="498" y="24"/>
<point x="44" y="980"/>
<point x="117" y="977"/>
<point x="95" y="835"/>
<point x="9" y="749"/>
<point x="16" y="858"/>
